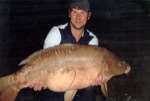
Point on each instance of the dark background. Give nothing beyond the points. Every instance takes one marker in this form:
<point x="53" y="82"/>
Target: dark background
<point x="123" y="26"/>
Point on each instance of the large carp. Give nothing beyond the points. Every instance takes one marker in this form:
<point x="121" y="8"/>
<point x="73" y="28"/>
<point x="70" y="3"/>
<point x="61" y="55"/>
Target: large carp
<point x="65" y="68"/>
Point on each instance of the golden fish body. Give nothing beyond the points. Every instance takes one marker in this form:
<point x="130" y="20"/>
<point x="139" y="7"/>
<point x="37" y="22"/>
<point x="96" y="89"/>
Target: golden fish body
<point x="64" y="68"/>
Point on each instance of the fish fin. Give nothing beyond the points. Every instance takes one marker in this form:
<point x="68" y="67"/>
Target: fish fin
<point x="69" y="95"/>
<point x="22" y="62"/>
<point x="8" y="89"/>
<point x="8" y="94"/>
<point x="32" y="57"/>
<point x="104" y="89"/>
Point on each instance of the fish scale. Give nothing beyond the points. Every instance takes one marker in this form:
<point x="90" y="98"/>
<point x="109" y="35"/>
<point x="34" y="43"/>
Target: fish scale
<point x="65" y="68"/>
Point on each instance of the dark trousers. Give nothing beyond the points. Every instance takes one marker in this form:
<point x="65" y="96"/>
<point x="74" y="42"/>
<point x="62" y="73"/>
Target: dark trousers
<point x="27" y="94"/>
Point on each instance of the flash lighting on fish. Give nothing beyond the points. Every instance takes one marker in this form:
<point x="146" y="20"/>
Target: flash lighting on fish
<point x="65" y="68"/>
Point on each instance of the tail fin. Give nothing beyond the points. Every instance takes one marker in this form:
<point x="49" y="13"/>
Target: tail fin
<point x="8" y="91"/>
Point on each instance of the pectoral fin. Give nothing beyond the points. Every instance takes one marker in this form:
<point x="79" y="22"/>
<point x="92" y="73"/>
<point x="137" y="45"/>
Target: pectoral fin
<point x="69" y="95"/>
<point x="104" y="89"/>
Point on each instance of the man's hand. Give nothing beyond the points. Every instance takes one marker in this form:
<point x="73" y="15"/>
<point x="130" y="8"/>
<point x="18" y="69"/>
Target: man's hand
<point x="36" y="85"/>
<point x="101" y="79"/>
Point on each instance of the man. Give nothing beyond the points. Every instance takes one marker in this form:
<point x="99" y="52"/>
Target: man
<point x="72" y="32"/>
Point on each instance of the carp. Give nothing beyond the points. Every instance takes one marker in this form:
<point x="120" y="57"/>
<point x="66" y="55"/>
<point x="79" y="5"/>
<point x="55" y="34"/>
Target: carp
<point x="64" y="68"/>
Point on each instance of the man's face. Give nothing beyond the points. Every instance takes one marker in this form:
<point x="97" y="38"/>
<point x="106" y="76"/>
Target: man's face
<point x="79" y="17"/>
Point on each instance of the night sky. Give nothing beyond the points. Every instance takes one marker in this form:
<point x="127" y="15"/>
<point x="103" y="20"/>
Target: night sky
<point x="123" y="26"/>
